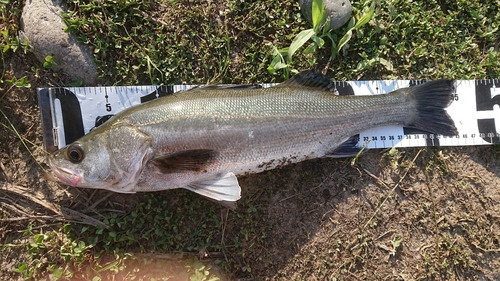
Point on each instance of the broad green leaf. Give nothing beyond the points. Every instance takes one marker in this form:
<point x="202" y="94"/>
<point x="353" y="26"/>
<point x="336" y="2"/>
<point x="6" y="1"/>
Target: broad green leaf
<point x="361" y="65"/>
<point x="310" y="49"/>
<point x="280" y="65"/>
<point x="276" y="64"/>
<point x="334" y="49"/>
<point x="351" y="23"/>
<point x="366" y="17"/>
<point x="284" y="51"/>
<point x="21" y="267"/>
<point x="58" y="272"/>
<point x="326" y="26"/>
<point x="318" y="40"/>
<point x="318" y="10"/>
<point x="299" y="41"/>
<point x="396" y="242"/>
<point x="277" y="59"/>
<point x="387" y="64"/>
<point x="369" y="63"/>
<point x="344" y="40"/>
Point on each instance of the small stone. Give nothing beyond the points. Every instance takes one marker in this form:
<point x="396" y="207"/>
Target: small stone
<point x="339" y="11"/>
<point x="44" y="28"/>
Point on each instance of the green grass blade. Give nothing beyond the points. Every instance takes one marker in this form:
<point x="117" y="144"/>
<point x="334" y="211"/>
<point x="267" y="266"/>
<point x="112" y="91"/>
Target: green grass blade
<point x="299" y="41"/>
<point x="344" y="40"/>
<point x="366" y="17"/>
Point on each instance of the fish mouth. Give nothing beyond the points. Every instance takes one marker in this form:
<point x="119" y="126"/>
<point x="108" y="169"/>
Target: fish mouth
<point x="66" y="176"/>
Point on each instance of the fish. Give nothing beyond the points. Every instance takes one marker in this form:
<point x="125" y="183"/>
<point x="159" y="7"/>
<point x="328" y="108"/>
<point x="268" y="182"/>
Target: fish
<point x="201" y="139"/>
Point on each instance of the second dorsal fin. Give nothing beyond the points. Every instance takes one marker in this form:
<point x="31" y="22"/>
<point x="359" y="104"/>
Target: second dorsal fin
<point x="225" y="87"/>
<point x="310" y="79"/>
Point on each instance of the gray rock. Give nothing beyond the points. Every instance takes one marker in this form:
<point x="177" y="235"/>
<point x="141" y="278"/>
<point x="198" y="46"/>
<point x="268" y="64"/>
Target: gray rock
<point x="339" y="11"/>
<point x="43" y="27"/>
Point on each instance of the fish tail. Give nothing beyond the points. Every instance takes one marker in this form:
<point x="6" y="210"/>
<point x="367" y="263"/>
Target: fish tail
<point x="431" y="100"/>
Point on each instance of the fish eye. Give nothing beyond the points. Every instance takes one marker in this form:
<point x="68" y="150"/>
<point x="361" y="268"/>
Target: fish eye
<point x="75" y="153"/>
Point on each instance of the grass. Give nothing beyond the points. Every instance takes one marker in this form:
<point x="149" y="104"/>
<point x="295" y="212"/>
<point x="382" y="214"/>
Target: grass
<point x="435" y="39"/>
<point x="144" y="42"/>
<point x="10" y="41"/>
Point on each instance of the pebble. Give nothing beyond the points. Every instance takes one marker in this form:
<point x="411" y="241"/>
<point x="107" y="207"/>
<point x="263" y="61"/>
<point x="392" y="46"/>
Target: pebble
<point x="43" y="26"/>
<point x="339" y="11"/>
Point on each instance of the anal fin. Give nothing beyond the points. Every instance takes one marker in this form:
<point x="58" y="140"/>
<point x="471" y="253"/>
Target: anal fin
<point x="348" y="148"/>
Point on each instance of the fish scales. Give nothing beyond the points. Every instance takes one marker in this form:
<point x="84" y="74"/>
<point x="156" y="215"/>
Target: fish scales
<point x="264" y="126"/>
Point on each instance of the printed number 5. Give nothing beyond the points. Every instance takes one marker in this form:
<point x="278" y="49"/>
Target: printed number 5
<point x="108" y="107"/>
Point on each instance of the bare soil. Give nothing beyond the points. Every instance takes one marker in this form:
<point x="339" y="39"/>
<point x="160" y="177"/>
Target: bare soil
<point x="412" y="214"/>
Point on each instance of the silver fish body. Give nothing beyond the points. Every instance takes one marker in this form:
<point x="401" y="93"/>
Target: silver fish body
<point x="202" y="138"/>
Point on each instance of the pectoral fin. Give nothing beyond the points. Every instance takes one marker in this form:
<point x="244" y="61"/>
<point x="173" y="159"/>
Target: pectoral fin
<point x="224" y="189"/>
<point x="191" y="160"/>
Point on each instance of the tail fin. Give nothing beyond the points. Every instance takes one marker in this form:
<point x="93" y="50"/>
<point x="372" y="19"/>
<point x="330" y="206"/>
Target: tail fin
<point x="432" y="99"/>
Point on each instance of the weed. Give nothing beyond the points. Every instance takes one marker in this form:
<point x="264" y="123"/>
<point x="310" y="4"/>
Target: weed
<point x="396" y="243"/>
<point x="54" y="255"/>
<point x="10" y="43"/>
<point x="200" y="271"/>
<point x="49" y="62"/>
<point x="153" y="226"/>
<point x="42" y="258"/>
<point x="282" y="58"/>
<point x="77" y="83"/>
<point x="13" y="42"/>
<point x="20" y="83"/>
<point x="450" y="256"/>
<point x="393" y="156"/>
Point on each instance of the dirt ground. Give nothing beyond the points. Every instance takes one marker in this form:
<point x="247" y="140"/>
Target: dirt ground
<point x="410" y="214"/>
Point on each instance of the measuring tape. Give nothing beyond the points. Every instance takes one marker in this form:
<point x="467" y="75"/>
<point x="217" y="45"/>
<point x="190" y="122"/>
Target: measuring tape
<point x="69" y="113"/>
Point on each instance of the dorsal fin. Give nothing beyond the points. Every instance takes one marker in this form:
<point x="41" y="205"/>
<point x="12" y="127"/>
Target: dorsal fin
<point x="310" y="79"/>
<point x="225" y="87"/>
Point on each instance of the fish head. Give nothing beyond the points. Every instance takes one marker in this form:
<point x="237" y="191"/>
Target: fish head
<point x="111" y="159"/>
<point x="81" y="164"/>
